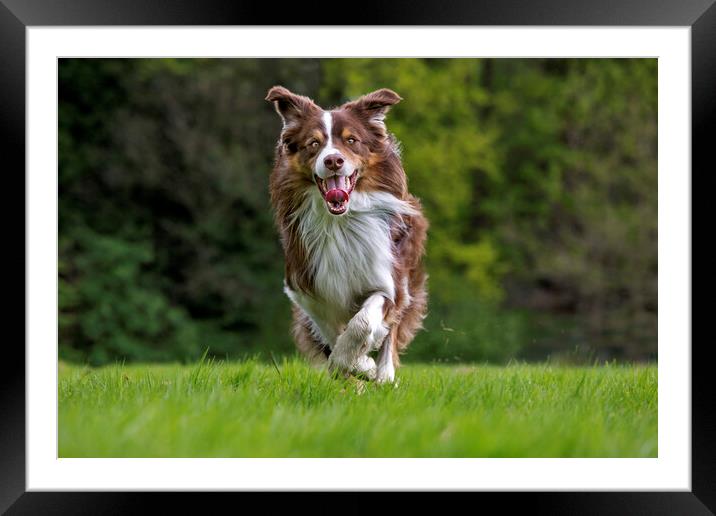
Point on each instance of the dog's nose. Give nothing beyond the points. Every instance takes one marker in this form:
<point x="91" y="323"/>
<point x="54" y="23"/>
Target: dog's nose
<point x="333" y="162"/>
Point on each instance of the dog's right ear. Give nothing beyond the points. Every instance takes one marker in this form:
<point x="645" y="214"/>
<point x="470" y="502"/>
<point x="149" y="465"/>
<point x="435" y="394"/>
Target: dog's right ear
<point x="290" y="106"/>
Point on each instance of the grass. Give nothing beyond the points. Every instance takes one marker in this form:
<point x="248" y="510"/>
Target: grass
<point x="288" y="409"/>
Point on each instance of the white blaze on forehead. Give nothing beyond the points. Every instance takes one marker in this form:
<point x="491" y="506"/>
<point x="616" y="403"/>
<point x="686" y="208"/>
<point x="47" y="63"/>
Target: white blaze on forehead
<point x="320" y="167"/>
<point x="328" y="124"/>
<point x="328" y="149"/>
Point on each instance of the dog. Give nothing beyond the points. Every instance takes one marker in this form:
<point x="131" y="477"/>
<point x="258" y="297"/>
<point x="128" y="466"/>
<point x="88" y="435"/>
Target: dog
<point x="353" y="236"/>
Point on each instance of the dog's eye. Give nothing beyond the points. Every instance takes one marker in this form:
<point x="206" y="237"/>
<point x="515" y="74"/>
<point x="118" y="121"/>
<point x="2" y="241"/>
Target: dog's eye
<point x="351" y="140"/>
<point x="313" y="144"/>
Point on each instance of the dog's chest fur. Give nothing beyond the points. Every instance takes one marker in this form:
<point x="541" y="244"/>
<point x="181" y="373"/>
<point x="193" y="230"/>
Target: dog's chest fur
<point x="350" y="257"/>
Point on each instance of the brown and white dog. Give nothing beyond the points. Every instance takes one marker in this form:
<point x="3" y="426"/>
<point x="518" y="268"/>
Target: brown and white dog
<point x="353" y="237"/>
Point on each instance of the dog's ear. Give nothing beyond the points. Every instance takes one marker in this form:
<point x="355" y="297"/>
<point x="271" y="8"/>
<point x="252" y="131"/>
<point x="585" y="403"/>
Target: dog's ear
<point x="373" y="106"/>
<point x="290" y="106"/>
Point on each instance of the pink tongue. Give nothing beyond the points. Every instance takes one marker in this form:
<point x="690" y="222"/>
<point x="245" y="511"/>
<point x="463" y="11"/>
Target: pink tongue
<point x="340" y="182"/>
<point x="336" y="195"/>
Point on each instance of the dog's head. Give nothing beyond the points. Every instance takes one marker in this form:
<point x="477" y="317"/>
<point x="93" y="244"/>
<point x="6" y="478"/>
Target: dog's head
<point x="335" y="149"/>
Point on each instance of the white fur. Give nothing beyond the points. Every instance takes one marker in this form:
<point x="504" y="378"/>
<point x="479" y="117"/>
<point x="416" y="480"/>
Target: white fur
<point x="351" y="258"/>
<point x="385" y="369"/>
<point x="373" y="313"/>
<point x="406" y="291"/>
<point x="320" y="167"/>
<point x="365" y="366"/>
<point x="364" y="333"/>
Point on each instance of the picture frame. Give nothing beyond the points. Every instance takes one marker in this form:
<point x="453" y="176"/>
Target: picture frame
<point x="17" y="15"/>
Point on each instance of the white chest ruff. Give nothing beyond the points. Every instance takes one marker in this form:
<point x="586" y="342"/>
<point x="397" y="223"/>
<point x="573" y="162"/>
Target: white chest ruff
<point x="350" y="257"/>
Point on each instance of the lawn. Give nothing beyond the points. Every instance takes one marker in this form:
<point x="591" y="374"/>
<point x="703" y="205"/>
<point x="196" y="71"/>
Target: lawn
<point x="289" y="409"/>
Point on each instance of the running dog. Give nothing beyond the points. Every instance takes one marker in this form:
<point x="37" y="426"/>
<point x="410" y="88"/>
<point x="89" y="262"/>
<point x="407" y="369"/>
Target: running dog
<point x="353" y="236"/>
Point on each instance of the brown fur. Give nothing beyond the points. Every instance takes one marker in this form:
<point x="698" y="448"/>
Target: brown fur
<point x="306" y="342"/>
<point x="380" y="170"/>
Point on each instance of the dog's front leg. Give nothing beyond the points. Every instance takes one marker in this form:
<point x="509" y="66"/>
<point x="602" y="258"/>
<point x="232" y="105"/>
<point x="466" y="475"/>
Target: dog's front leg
<point x="364" y="333"/>
<point x="385" y="370"/>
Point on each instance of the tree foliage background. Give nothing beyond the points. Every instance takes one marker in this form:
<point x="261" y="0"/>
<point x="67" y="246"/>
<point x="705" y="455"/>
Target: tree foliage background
<point x="539" y="177"/>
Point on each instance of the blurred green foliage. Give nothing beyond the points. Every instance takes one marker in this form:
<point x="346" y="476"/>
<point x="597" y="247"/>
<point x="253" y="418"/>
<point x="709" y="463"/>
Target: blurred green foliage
<point x="539" y="178"/>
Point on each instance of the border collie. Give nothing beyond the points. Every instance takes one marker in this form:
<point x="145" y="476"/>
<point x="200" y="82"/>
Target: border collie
<point x="353" y="237"/>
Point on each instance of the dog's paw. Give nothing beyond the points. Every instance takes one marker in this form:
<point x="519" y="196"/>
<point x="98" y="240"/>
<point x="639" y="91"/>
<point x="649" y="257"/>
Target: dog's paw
<point x="344" y="364"/>
<point x="365" y="367"/>
<point x="363" y="335"/>
<point x="353" y="342"/>
<point x="385" y="374"/>
<point x="340" y="363"/>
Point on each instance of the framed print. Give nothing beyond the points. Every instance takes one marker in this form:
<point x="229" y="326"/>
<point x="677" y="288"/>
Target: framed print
<point x="549" y="156"/>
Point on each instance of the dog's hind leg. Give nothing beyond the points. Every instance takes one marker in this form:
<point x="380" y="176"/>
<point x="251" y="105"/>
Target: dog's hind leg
<point x="364" y="333"/>
<point x="307" y="339"/>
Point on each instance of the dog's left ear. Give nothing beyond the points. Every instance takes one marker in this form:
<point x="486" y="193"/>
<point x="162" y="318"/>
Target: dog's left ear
<point x="375" y="105"/>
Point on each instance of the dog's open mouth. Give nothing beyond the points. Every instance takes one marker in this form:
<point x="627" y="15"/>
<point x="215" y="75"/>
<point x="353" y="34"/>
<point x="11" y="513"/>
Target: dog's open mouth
<point x="336" y="191"/>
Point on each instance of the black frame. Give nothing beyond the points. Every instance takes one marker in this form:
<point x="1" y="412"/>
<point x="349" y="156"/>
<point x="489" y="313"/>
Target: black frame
<point x="16" y="15"/>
